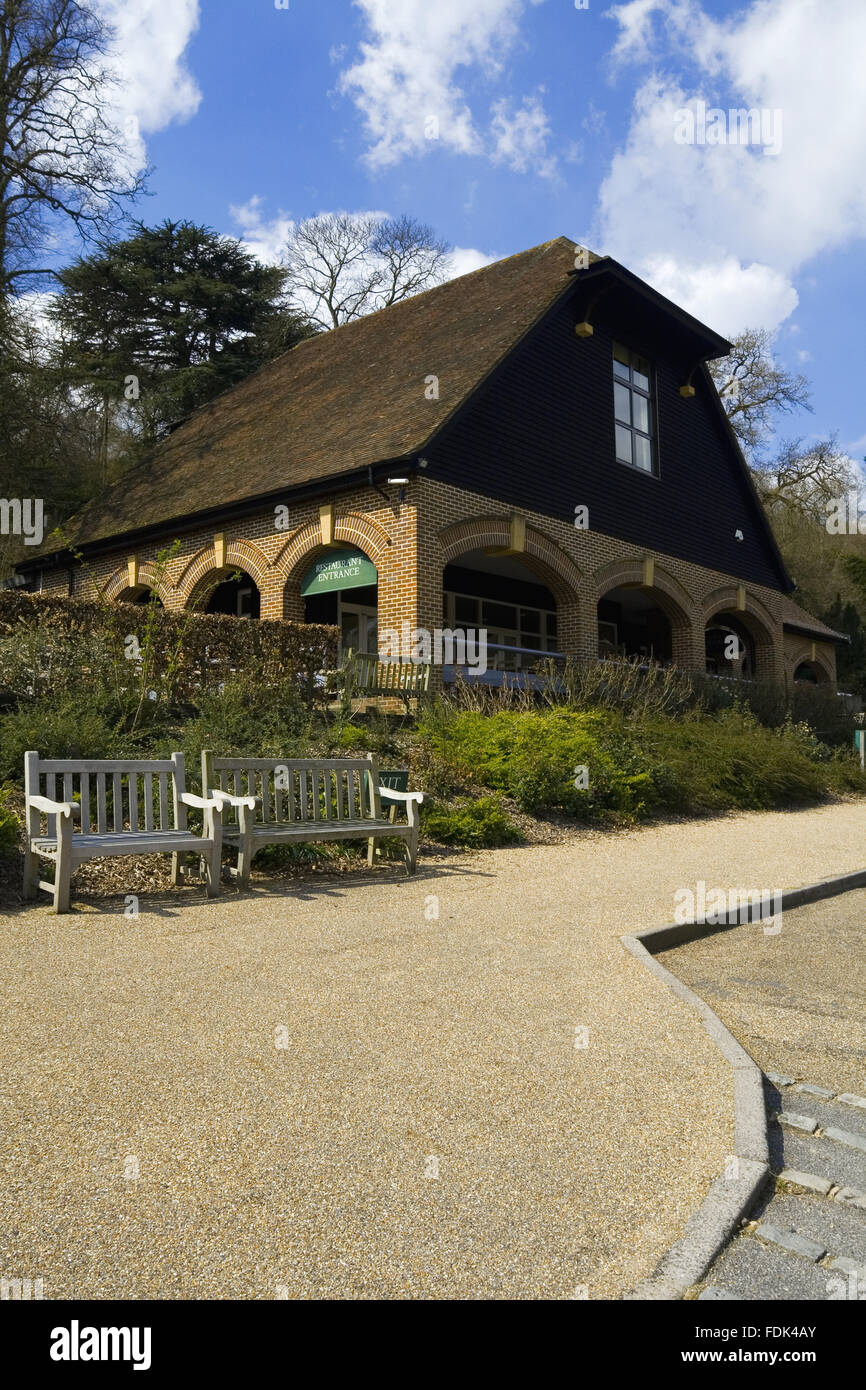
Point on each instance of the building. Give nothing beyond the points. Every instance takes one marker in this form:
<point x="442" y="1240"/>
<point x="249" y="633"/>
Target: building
<point x="536" y="448"/>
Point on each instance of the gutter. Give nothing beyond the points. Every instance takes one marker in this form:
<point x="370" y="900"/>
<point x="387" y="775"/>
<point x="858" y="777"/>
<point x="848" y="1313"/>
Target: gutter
<point x="194" y="521"/>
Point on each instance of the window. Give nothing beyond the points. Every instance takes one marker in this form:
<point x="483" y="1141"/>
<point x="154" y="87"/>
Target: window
<point x="632" y="408"/>
<point x="511" y="629"/>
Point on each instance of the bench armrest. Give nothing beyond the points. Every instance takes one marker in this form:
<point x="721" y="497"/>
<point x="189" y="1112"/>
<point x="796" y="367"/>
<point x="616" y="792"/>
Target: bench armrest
<point x="221" y="797"/>
<point x="55" y="808"/>
<point x="401" y="796"/>
<point x="199" y="802"/>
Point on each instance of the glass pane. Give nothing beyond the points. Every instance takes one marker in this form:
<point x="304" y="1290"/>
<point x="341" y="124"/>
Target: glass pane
<point x="498" y="615"/>
<point x="351" y="631"/>
<point x="530" y="620"/>
<point x="640" y="372"/>
<point x="643" y="456"/>
<point x="623" y="444"/>
<point x="551" y="624"/>
<point x="621" y="361"/>
<point x="466" y="611"/>
<point x="621" y="402"/>
<point x="640" y="406"/>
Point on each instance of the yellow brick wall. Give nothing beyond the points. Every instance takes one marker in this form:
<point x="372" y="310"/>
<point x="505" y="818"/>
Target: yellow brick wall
<point x="410" y="543"/>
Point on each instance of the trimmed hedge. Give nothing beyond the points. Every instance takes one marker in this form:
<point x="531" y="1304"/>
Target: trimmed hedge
<point x="179" y="654"/>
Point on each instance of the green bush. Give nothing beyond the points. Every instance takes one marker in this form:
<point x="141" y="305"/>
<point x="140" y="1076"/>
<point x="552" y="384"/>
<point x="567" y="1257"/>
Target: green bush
<point x="9" y="824"/>
<point x="480" y="824"/>
<point x="694" y="764"/>
<point x="72" y="726"/>
<point x="249" y="717"/>
<point x="535" y="758"/>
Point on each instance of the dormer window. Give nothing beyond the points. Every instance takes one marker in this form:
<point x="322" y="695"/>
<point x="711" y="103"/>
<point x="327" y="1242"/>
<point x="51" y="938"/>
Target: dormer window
<point x="632" y="405"/>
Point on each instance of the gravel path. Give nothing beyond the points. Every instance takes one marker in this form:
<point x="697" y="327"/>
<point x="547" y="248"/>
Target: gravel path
<point x="425" y="1126"/>
<point x="797" y="1000"/>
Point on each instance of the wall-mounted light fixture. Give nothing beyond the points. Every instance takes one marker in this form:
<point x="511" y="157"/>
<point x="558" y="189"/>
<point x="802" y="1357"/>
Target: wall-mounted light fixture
<point x="402" y="484"/>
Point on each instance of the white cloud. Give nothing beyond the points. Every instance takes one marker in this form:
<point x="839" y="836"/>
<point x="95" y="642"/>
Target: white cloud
<point x="154" y="86"/>
<point x="736" y="225"/>
<point x="724" y="293"/>
<point x="520" y="137"/>
<point x="464" y="259"/>
<point x="406" y="81"/>
<point x="264" y="237"/>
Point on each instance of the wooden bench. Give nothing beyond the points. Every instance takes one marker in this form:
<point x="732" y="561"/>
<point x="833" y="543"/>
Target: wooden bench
<point x="273" y="801"/>
<point x="400" y="677"/>
<point x="120" y="808"/>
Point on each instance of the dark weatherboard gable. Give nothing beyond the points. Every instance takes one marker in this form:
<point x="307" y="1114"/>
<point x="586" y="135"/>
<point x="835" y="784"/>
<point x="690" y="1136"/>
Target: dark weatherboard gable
<point x="539" y="434"/>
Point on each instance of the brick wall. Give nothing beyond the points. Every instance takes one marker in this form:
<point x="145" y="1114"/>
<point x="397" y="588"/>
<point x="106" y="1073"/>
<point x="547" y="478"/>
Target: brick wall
<point x="410" y="544"/>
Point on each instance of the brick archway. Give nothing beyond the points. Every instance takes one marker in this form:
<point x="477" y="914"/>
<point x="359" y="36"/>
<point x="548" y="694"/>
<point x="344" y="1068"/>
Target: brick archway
<point x="680" y="609"/>
<point x="766" y="632"/>
<point x="149" y="577"/>
<point x="542" y="556"/>
<point x="305" y="544"/>
<point x="201" y="576"/>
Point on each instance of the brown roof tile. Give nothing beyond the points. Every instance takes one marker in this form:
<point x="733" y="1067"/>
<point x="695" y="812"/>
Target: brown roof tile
<point x="339" y="401"/>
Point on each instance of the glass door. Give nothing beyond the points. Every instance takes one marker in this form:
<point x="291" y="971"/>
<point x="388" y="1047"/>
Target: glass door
<point x="358" y="629"/>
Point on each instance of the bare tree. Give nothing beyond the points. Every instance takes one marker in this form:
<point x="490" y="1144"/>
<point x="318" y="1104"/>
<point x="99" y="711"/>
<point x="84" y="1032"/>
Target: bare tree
<point x="61" y="156"/>
<point x="807" y="479"/>
<point x="342" y="266"/>
<point x="755" y="388"/>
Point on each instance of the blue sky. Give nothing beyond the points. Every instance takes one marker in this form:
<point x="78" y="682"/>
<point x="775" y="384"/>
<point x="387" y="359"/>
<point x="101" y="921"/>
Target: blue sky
<point x="503" y="123"/>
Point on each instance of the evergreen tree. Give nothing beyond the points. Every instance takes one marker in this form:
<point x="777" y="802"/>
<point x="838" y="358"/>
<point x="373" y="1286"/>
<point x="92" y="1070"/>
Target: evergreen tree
<point x="160" y="323"/>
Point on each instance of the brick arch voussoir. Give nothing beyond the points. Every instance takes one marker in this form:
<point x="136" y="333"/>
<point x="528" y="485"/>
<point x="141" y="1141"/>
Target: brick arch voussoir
<point x="756" y="616"/>
<point x="148" y="576"/>
<point x="681" y="610"/>
<point x="202" y="574"/>
<point x="541" y="555"/>
<point x="351" y="529"/>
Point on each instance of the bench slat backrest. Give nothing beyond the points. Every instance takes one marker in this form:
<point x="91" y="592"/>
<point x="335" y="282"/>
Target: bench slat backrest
<point x="297" y="790"/>
<point x="114" y="795"/>
<point x="397" y="675"/>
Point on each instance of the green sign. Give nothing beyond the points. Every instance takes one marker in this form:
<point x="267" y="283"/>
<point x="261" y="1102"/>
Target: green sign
<point x="338" y="569"/>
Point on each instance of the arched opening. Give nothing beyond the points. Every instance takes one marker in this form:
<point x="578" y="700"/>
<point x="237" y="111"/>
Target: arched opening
<point x="810" y="673"/>
<point x="483" y="589"/>
<point x="231" y="591"/>
<point x="729" y="647"/>
<point x="340" y="586"/>
<point x="139" y="594"/>
<point x="632" y="624"/>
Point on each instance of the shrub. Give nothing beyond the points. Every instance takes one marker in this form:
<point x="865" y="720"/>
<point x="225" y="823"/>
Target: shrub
<point x="69" y="727"/>
<point x="9" y="824"/>
<point x="694" y="763"/>
<point x="180" y="653"/>
<point x="480" y="824"/>
<point x="534" y="757"/>
<point x="249" y="717"/>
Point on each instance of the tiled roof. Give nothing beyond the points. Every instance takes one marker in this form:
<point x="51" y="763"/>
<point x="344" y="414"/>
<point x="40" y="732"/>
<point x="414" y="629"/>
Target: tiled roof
<point x="339" y="401"/>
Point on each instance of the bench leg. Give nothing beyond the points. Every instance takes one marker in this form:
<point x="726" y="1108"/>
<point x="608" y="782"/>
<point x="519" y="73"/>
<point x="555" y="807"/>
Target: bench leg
<point x="176" y="870"/>
<point x="245" y="848"/>
<point x="371" y="851"/>
<point x="63" y="865"/>
<point x="213" y="859"/>
<point x="411" y="844"/>
<point x="31" y="871"/>
<point x="411" y="851"/>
